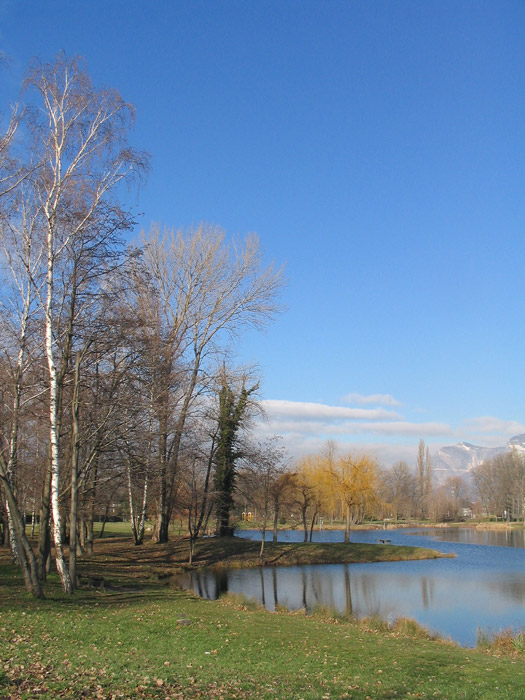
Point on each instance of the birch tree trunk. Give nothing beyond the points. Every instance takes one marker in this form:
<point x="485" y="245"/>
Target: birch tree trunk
<point x="13" y="539"/>
<point x="75" y="439"/>
<point x="62" y="569"/>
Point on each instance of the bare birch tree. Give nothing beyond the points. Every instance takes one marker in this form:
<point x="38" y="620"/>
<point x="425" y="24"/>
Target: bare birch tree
<point x="80" y="137"/>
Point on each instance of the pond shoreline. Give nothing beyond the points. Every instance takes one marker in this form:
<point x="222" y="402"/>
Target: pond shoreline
<point x="392" y="525"/>
<point x="478" y="586"/>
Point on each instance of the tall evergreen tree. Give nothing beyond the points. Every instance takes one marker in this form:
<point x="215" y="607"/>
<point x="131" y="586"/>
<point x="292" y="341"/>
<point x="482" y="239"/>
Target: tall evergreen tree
<point x="232" y="410"/>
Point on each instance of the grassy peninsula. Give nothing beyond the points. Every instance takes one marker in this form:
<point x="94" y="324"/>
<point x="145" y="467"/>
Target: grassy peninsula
<point x="119" y="558"/>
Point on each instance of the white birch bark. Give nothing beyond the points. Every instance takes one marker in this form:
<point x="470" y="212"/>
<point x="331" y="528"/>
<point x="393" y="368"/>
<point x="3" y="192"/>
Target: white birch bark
<point x="13" y="541"/>
<point x="62" y="569"/>
<point x="142" y="519"/>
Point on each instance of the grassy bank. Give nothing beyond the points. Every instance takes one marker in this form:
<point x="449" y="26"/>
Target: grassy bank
<point x="141" y="638"/>
<point x="163" y="643"/>
<point x="244" y="553"/>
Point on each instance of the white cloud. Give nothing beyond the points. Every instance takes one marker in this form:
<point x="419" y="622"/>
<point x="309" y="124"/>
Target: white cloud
<point x="311" y="418"/>
<point x="319" y="411"/>
<point x="401" y="428"/>
<point x="305" y="427"/>
<point x="371" y="399"/>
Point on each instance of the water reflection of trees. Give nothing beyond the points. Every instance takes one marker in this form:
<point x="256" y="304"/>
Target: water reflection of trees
<point x="469" y="535"/>
<point x="368" y="600"/>
<point x="348" y="591"/>
<point x="427" y="591"/>
<point x="263" y="596"/>
<point x="206" y="584"/>
<point x="510" y="589"/>
<point x="363" y="591"/>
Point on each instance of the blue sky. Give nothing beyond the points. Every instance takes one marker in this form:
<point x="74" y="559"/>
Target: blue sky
<point x="377" y="148"/>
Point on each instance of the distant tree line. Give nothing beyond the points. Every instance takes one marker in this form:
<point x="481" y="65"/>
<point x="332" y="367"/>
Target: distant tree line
<point x="500" y="485"/>
<point x="328" y="489"/>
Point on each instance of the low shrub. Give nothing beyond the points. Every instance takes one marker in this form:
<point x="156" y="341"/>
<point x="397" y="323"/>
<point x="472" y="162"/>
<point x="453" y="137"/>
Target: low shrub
<point x="507" y="640"/>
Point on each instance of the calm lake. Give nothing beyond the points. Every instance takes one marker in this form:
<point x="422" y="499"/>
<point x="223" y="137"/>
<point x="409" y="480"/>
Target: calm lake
<point x="482" y="588"/>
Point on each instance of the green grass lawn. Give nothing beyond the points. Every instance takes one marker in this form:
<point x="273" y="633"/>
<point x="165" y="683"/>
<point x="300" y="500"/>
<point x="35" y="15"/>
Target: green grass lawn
<point x="141" y="638"/>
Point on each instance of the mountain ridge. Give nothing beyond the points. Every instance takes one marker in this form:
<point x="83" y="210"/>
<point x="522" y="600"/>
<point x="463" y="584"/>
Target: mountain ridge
<point x="461" y="458"/>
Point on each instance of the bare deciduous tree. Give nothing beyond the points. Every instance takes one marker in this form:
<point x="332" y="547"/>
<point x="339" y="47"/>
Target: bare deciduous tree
<point x="264" y="480"/>
<point x="200" y="291"/>
<point x="400" y="490"/>
<point x="424" y="478"/>
<point x="500" y="484"/>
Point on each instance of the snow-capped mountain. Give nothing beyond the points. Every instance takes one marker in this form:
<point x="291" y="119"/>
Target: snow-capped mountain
<point x="458" y="460"/>
<point x="517" y="443"/>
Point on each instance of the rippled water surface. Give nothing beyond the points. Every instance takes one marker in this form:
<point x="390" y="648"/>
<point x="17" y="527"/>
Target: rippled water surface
<point x="482" y="587"/>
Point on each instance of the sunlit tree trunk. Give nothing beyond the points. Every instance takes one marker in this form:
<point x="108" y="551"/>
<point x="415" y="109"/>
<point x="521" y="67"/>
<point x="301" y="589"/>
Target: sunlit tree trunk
<point x="169" y="467"/>
<point x="53" y="423"/>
